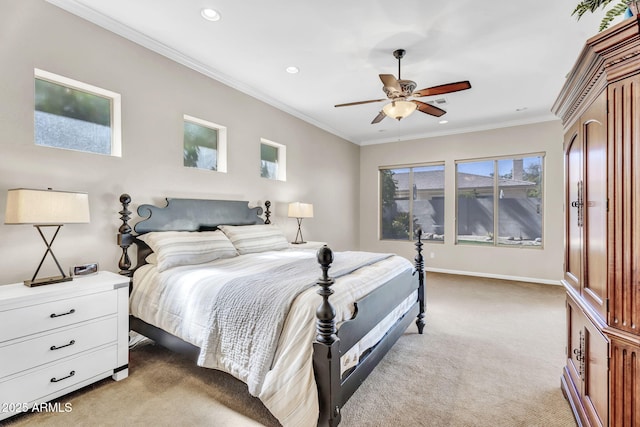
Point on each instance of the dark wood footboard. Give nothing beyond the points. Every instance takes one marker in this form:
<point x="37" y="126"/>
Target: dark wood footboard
<point x="333" y="389"/>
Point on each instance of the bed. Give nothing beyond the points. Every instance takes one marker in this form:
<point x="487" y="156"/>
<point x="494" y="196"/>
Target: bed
<point x="303" y="352"/>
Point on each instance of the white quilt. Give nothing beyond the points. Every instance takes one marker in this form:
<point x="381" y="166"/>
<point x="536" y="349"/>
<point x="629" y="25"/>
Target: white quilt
<point x="179" y="300"/>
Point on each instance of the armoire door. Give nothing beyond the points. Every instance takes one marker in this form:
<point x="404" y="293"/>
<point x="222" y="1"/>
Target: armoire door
<point x="573" y="211"/>
<point x="588" y="365"/>
<point x="586" y="215"/>
<point x="575" y="344"/>
<point x="596" y="376"/>
<point x="594" y="243"/>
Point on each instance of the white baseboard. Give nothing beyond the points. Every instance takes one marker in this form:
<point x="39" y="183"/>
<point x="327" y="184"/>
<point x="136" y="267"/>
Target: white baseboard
<point x="495" y="276"/>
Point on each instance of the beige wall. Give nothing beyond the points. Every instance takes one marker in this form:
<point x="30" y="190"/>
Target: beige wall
<point x="530" y="264"/>
<point x="338" y="177"/>
<point x="321" y="168"/>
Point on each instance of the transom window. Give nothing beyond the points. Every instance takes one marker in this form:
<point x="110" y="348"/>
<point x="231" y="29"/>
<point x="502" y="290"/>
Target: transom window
<point x="205" y="145"/>
<point x="273" y="160"/>
<point x="412" y="198"/>
<point x="503" y="194"/>
<point x="76" y="116"/>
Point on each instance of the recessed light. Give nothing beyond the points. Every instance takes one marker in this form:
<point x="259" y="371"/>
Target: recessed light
<point x="293" y="70"/>
<point x="210" y="14"/>
<point x="443" y="122"/>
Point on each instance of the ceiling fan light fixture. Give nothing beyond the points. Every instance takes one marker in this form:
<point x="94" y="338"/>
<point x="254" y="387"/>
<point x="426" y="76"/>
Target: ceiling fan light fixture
<point x="399" y="90"/>
<point x="399" y="109"/>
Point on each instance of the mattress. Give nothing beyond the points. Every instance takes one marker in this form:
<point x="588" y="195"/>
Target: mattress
<point x="179" y="300"/>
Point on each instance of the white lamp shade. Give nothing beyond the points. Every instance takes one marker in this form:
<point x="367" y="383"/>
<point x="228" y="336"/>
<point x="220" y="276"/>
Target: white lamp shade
<point x="300" y="210"/>
<point x="27" y="206"/>
<point x="399" y="109"/>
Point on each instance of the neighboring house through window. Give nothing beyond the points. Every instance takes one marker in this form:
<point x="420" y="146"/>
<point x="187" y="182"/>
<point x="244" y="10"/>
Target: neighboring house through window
<point x="76" y="116"/>
<point x="503" y="194"/>
<point x="412" y="198"/>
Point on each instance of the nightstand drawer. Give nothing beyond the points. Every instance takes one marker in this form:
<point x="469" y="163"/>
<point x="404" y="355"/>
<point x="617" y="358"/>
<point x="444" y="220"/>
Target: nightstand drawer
<point x="42" y="349"/>
<point x="40" y="383"/>
<point x="29" y="320"/>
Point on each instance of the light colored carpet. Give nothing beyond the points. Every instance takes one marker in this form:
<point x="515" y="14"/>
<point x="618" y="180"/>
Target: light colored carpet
<point x="491" y="355"/>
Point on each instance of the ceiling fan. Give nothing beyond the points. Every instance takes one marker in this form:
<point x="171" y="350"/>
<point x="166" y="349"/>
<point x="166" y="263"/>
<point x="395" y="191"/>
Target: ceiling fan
<point x="398" y="91"/>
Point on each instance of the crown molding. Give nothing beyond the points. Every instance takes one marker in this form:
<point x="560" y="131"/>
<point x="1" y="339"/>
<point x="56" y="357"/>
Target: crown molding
<point x="76" y="8"/>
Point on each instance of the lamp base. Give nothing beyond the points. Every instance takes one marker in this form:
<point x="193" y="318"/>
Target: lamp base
<point x="47" y="281"/>
<point x="297" y="243"/>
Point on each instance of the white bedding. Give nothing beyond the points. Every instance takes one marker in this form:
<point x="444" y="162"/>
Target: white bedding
<point x="176" y="301"/>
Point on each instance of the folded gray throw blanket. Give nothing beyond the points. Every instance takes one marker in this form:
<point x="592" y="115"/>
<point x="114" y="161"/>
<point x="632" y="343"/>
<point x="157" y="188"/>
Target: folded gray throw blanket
<point x="250" y="312"/>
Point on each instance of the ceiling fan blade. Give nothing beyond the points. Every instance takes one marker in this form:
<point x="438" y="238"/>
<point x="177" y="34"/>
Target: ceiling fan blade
<point x="428" y="108"/>
<point x="389" y="81"/>
<point x="381" y="115"/>
<point x="360" y="102"/>
<point x="442" y="89"/>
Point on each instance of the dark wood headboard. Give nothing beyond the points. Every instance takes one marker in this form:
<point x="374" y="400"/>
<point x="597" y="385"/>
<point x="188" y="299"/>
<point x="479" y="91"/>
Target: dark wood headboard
<point x="181" y="215"/>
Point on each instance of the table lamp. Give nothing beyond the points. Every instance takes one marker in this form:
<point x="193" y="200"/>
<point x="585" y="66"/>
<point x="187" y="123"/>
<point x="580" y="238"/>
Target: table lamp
<point x="46" y="208"/>
<point x="300" y="210"/>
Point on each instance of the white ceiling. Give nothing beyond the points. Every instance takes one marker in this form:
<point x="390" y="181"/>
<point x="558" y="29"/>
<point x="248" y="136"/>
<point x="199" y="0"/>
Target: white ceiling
<point x="515" y="53"/>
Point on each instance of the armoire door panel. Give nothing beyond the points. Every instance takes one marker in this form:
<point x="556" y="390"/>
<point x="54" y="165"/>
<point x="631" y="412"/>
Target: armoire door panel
<point x="573" y="230"/>
<point x="596" y="379"/>
<point x="594" y="129"/>
<point x="588" y="364"/>
<point x="624" y="137"/>
<point x="575" y="327"/>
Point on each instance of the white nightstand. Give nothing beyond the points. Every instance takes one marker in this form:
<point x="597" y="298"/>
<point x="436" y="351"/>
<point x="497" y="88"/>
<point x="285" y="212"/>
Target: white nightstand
<point x="58" y="338"/>
<point x="308" y="245"/>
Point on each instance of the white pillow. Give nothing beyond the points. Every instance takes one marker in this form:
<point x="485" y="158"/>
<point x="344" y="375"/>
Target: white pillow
<point x="175" y="248"/>
<point x="255" y="238"/>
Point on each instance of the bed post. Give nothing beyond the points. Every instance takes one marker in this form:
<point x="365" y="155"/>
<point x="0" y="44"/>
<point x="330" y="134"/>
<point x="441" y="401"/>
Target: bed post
<point x="267" y="212"/>
<point x="326" y="354"/>
<point x="419" y="263"/>
<point x="125" y="238"/>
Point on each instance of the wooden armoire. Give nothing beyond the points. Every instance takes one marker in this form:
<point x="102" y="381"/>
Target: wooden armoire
<point x="599" y="107"/>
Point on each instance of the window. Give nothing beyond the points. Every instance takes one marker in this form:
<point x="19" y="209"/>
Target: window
<point x="75" y="116"/>
<point x="205" y="145"/>
<point x="273" y="160"/>
<point x="500" y="194"/>
<point x="412" y="198"/>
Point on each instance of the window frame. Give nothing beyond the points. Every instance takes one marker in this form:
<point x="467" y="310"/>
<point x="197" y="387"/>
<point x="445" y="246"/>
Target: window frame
<point x="115" y="102"/>
<point x="411" y="167"/>
<point x="221" y="149"/>
<point x="281" y="174"/>
<point x="496" y="199"/>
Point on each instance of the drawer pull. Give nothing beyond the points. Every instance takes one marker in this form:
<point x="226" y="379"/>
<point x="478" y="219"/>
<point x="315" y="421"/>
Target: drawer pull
<point x="53" y="347"/>
<point x="55" y="380"/>
<point x="53" y="315"/>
